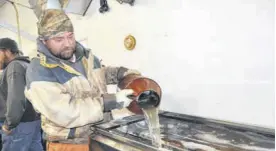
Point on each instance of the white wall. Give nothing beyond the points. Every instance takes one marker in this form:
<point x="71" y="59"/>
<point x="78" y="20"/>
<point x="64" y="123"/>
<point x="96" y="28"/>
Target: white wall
<point x="27" y="24"/>
<point x="212" y="58"/>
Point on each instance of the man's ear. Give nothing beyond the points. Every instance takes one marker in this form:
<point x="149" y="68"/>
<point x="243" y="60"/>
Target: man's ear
<point x="44" y="42"/>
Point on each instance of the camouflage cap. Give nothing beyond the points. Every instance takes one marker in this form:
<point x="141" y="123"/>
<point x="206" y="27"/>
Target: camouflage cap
<point x="53" y="22"/>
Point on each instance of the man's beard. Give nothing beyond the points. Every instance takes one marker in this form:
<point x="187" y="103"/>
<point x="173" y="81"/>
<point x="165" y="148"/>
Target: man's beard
<point x="64" y="55"/>
<point x="5" y="64"/>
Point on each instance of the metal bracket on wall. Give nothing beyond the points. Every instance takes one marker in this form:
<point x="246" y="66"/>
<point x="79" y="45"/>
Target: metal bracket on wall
<point x="104" y="6"/>
<point x="130" y="2"/>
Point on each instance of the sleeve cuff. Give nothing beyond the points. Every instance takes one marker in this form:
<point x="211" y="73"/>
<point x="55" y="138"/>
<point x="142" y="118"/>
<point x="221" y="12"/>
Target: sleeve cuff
<point x="122" y="72"/>
<point x="110" y="102"/>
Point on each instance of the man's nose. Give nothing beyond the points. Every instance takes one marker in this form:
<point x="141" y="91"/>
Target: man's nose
<point x="67" y="42"/>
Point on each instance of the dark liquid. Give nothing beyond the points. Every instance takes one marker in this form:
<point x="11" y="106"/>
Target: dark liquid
<point x="148" y="99"/>
<point x="141" y="87"/>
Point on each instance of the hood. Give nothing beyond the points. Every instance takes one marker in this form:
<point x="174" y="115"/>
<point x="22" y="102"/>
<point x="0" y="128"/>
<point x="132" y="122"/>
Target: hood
<point x="50" y="58"/>
<point x="22" y="58"/>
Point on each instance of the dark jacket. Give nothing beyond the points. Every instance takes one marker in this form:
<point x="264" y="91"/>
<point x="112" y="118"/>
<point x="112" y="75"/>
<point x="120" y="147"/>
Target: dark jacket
<point x="14" y="108"/>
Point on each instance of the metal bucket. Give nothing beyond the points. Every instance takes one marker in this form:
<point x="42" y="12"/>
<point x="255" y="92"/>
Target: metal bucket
<point x="147" y="93"/>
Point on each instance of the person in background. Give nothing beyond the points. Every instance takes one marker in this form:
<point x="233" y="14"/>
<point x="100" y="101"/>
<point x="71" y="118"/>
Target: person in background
<point x="20" y="124"/>
<point x="1" y="72"/>
<point x="67" y="85"/>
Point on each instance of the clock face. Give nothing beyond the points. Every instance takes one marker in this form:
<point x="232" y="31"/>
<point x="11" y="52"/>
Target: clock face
<point x="129" y="42"/>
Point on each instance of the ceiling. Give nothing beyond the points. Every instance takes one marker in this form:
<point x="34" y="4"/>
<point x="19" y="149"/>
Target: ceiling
<point x="78" y="7"/>
<point x="2" y="2"/>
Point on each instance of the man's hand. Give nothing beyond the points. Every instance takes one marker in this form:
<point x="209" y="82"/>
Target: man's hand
<point x="6" y="130"/>
<point x="122" y="97"/>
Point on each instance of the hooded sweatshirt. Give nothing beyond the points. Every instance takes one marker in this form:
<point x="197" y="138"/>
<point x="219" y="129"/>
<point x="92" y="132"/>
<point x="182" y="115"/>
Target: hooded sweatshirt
<point x="14" y="107"/>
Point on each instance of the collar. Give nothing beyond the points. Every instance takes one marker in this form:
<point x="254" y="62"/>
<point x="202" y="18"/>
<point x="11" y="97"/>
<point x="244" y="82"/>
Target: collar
<point x="73" y="59"/>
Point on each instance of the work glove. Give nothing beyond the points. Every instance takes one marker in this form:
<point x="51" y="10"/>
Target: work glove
<point x="122" y="97"/>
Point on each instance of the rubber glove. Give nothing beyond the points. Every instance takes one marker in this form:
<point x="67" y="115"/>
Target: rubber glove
<point x="122" y="97"/>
